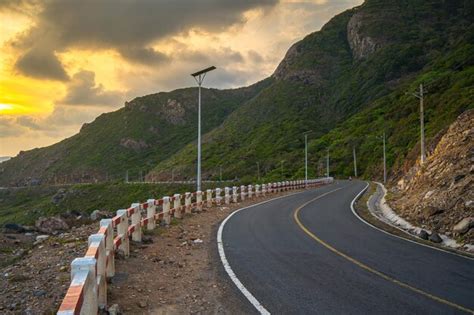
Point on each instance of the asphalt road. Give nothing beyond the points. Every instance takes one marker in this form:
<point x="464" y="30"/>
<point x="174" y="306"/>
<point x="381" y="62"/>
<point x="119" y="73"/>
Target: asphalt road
<point x="339" y="265"/>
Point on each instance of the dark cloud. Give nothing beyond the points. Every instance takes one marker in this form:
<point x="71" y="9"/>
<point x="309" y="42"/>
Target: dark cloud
<point x="82" y="90"/>
<point x="129" y="27"/>
<point x="41" y="64"/>
<point x="147" y="56"/>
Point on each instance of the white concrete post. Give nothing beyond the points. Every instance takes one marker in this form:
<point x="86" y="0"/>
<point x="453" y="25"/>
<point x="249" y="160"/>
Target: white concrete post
<point x="257" y="190"/>
<point x="269" y="188"/>
<point x="187" y="202"/>
<point x="83" y="272"/>
<point x="218" y="196"/>
<point x="122" y="230"/>
<point x="264" y="190"/>
<point x="166" y="210"/>
<point x="209" y="198"/>
<point x="227" y="195"/>
<point x="249" y="191"/>
<point x="109" y="246"/>
<point x="177" y="206"/>
<point x="150" y="214"/>
<point x="199" y="201"/>
<point x="97" y="243"/>
<point x="235" y="195"/>
<point x="136" y="221"/>
<point x="242" y="193"/>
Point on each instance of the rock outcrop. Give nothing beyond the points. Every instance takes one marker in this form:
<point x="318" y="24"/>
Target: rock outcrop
<point x="362" y="45"/>
<point x="440" y="193"/>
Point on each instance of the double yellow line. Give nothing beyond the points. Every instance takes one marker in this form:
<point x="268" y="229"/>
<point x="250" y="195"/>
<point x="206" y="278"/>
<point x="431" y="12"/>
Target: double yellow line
<point x="364" y="266"/>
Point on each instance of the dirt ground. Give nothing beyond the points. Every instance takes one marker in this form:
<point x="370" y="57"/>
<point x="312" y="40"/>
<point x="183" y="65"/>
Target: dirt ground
<point x="175" y="274"/>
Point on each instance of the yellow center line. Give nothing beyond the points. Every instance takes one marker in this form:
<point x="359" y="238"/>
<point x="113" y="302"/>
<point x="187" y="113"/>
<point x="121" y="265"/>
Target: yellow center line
<point x="364" y="266"/>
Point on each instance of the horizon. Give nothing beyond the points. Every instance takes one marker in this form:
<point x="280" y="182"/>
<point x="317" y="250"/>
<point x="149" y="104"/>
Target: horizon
<point x="94" y="70"/>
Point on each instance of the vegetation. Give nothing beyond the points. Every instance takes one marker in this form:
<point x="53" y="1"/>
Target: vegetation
<point x="349" y="102"/>
<point x="348" y="83"/>
<point x="25" y="205"/>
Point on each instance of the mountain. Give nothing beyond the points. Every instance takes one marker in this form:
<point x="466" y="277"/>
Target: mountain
<point x="134" y="138"/>
<point x="347" y="83"/>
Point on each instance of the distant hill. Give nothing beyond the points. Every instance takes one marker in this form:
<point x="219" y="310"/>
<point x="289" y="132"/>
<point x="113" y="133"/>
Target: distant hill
<point x="348" y="83"/>
<point x="4" y="158"/>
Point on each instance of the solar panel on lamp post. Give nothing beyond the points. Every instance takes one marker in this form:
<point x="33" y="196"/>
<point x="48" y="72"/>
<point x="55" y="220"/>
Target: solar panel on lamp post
<point x="199" y="77"/>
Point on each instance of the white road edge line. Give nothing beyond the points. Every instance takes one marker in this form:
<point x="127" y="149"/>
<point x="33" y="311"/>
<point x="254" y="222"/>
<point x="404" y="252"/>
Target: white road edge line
<point x="393" y="235"/>
<point x="220" y="246"/>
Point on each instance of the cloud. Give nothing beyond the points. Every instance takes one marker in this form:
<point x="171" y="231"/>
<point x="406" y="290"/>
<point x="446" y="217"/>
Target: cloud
<point x="128" y="27"/>
<point x="41" y="64"/>
<point x="82" y="90"/>
<point x="8" y="127"/>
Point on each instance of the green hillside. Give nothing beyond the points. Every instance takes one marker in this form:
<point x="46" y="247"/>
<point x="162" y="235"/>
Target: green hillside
<point x="135" y="138"/>
<point x="348" y="83"/>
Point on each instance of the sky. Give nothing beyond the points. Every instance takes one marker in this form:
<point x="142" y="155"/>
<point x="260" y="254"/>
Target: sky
<point x="64" y="62"/>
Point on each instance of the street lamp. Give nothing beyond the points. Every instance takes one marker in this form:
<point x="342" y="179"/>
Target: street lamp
<point x="306" y="157"/>
<point x="199" y="77"/>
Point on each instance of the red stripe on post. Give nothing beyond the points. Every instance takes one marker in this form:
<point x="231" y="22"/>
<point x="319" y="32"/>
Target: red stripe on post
<point x="73" y="299"/>
<point x="116" y="220"/>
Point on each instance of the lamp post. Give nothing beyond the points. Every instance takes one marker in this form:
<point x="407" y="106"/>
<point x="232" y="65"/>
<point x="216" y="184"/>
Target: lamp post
<point x="327" y="163"/>
<point x="306" y="157"/>
<point x="199" y="77"/>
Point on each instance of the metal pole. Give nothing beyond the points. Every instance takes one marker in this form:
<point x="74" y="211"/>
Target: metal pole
<point x="281" y="167"/>
<point x="327" y="163"/>
<point x="126" y="176"/>
<point x="172" y="175"/>
<point x="305" y="160"/>
<point x="199" y="138"/>
<point x="384" y="162"/>
<point x="220" y="173"/>
<point x="422" y="126"/>
<point x="355" y="161"/>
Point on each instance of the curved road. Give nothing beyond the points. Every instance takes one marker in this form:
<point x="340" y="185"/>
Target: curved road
<point x="323" y="259"/>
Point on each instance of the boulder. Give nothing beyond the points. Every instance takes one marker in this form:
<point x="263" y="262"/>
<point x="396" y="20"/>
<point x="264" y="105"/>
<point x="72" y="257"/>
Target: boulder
<point x="60" y="194"/>
<point x="423" y="235"/>
<point x="114" y="310"/>
<point x="98" y="214"/>
<point x="51" y="225"/>
<point x="464" y="225"/>
<point x="13" y="228"/>
<point x="431" y="211"/>
<point x="41" y="238"/>
<point x="435" y="238"/>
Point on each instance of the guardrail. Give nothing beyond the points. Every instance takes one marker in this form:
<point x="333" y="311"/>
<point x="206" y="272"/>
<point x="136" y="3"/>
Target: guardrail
<point x="87" y="292"/>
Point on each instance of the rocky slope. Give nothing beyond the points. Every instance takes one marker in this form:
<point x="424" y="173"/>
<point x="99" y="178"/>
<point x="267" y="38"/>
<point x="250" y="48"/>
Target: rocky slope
<point x="440" y="194"/>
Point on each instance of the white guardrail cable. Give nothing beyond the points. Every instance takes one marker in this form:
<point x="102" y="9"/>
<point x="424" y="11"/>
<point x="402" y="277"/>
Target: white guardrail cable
<point x="87" y="292"/>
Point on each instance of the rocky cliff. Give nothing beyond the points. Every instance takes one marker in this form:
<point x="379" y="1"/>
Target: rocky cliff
<point x="440" y="194"/>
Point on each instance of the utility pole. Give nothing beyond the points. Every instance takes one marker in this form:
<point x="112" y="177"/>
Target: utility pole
<point x="220" y="173"/>
<point x="126" y="176"/>
<point x="384" y="161"/>
<point x="306" y="157"/>
<point x="355" y="161"/>
<point x="172" y="175"/>
<point x="327" y="163"/>
<point x="420" y="95"/>
<point x="281" y="167"/>
<point x="258" y="171"/>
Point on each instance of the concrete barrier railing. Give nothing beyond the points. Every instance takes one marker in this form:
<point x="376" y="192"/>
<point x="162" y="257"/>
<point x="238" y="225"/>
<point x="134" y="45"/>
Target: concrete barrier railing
<point x="87" y="292"/>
